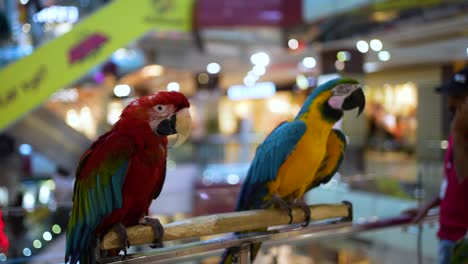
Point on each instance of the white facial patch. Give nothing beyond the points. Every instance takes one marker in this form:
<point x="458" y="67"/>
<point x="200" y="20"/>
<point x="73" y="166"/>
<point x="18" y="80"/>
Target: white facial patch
<point x="159" y="113"/>
<point x="341" y="92"/>
<point x="336" y="101"/>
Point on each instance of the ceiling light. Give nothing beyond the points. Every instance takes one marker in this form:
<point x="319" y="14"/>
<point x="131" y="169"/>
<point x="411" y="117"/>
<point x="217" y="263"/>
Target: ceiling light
<point x="213" y="68"/>
<point x="232" y="179"/>
<point x="376" y="45"/>
<point x="384" y="55"/>
<point x="259" y="70"/>
<point x="260" y="58"/>
<point x="302" y="82"/>
<point x="249" y="80"/>
<point x="343" y="56"/>
<point x="122" y="90"/>
<point x="370" y="67"/>
<point x="293" y="44"/>
<point x="25" y="149"/>
<point x="27" y="252"/>
<point x="47" y="236"/>
<point x="309" y="62"/>
<point x="56" y="229"/>
<point x="37" y="243"/>
<point x="72" y="118"/>
<point x="362" y="46"/>
<point x="203" y="78"/>
<point x="173" y="86"/>
<point x="339" y="65"/>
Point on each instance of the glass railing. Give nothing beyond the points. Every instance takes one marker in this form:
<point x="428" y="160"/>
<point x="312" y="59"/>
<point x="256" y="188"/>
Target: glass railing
<point x="318" y="243"/>
<point x="376" y="240"/>
<point x="377" y="226"/>
<point x="211" y="185"/>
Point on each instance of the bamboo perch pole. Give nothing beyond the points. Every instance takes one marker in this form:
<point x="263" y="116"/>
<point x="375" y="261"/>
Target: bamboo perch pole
<point x="226" y="223"/>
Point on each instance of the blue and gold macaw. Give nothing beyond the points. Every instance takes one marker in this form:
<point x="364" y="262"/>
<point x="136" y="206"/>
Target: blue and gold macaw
<point x="300" y="154"/>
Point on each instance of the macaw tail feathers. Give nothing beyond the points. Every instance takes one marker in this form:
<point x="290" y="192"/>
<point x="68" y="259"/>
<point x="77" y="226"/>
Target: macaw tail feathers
<point x="227" y="256"/>
<point x="89" y="256"/>
<point x="86" y="256"/>
<point x="230" y="253"/>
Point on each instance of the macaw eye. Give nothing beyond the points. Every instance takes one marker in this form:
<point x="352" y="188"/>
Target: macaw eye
<point x="160" y="108"/>
<point x="341" y="89"/>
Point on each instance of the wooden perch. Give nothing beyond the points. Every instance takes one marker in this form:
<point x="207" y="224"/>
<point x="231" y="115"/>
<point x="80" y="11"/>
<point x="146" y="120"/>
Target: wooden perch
<point x="226" y="223"/>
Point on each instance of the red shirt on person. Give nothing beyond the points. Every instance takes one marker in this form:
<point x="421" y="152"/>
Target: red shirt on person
<point x="3" y="238"/>
<point x="453" y="214"/>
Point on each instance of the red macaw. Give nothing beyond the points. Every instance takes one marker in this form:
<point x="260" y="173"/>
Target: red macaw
<point x="123" y="171"/>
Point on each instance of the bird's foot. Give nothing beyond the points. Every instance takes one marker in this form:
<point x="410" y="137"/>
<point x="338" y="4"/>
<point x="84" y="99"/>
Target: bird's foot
<point x="301" y="204"/>
<point x="278" y="202"/>
<point x="158" y="230"/>
<point x="121" y="231"/>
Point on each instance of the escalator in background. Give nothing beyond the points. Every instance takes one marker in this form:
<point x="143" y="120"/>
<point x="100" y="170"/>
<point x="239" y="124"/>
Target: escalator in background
<point x="51" y="136"/>
<point x="36" y="219"/>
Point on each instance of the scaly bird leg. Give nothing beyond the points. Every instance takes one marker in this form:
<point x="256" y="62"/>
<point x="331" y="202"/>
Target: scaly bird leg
<point x="301" y="204"/>
<point x="158" y="230"/>
<point x="278" y="202"/>
<point x="121" y="231"/>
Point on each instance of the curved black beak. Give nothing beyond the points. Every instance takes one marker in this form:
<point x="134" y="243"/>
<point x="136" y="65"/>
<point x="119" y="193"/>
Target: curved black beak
<point x="167" y="126"/>
<point x="355" y="99"/>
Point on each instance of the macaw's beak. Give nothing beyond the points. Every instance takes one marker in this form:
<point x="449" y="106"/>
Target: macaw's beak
<point x="179" y="123"/>
<point x="167" y="126"/>
<point x="183" y="126"/>
<point x="355" y="99"/>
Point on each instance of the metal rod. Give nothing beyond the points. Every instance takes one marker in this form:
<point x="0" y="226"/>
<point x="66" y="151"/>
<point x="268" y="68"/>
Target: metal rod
<point x="292" y="233"/>
<point x="420" y="199"/>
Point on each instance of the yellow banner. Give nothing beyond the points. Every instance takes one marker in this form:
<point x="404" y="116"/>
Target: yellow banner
<point x="28" y="82"/>
<point x="403" y="4"/>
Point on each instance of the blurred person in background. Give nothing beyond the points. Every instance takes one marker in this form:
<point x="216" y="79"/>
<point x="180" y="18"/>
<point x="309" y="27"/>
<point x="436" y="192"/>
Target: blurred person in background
<point x="4" y="244"/>
<point x="63" y="187"/>
<point x="453" y="197"/>
<point x="16" y="223"/>
<point x="63" y="194"/>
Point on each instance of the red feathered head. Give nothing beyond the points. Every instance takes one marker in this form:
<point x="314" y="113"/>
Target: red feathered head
<point x="165" y="113"/>
<point x="165" y="98"/>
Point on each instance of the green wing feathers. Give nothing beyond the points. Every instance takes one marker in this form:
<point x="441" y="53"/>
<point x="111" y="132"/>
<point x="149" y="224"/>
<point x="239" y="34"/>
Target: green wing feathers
<point x="96" y="196"/>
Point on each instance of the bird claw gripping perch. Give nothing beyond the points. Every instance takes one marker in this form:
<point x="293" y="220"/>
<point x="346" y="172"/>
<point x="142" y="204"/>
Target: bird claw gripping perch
<point x="307" y="214"/>
<point x="158" y="231"/>
<point x="121" y="231"/>
<point x="281" y="204"/>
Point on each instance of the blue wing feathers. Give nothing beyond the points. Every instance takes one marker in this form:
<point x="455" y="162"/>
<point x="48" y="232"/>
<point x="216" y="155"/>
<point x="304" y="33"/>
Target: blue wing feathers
<point x="89" y="215"/>
<point x="94" y="206"/>
<point x="117" y="183"/>
<point x="275" y="149"/>
<point x="269" y="157"/>
<point x="109" y="199"/>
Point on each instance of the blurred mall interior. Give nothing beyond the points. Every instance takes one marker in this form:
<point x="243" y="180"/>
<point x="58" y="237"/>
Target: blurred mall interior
<point x="246" y="66"/>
